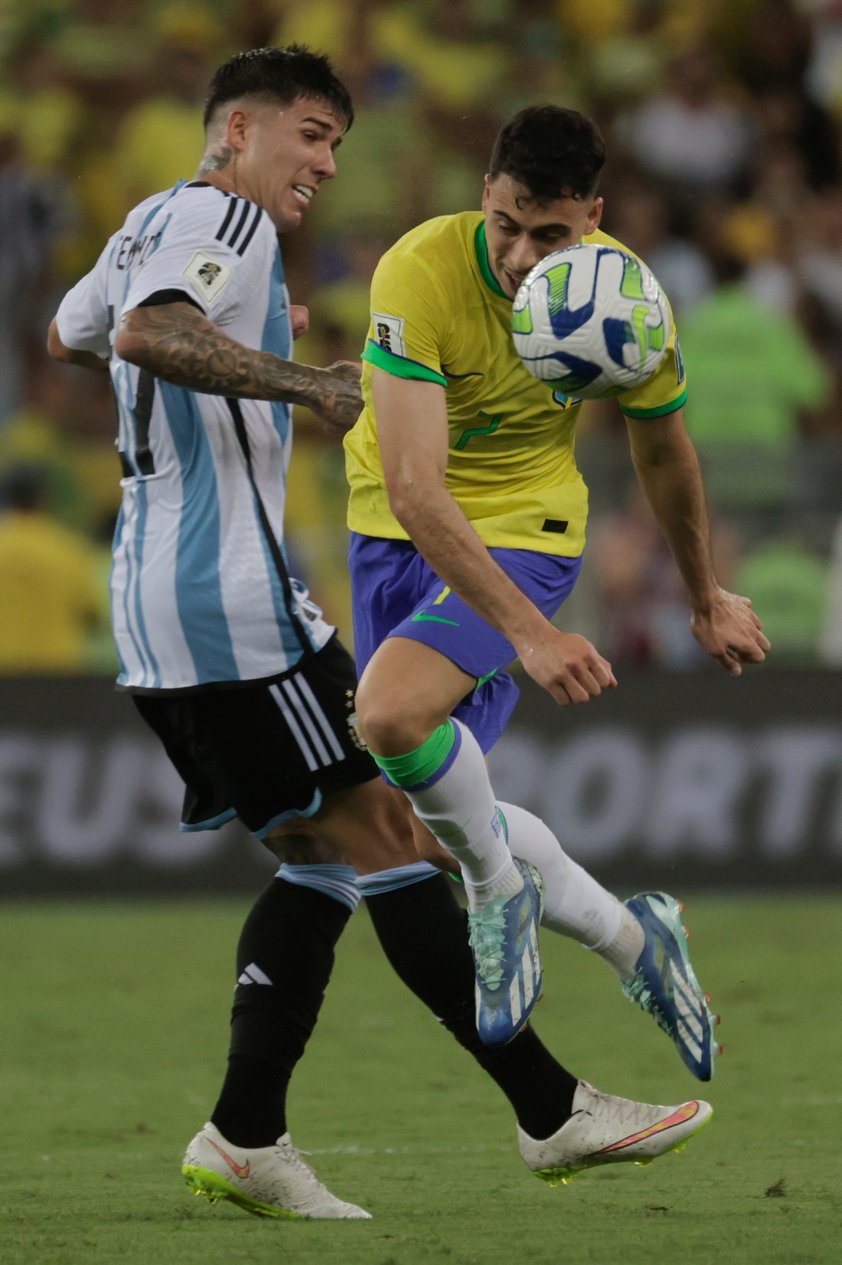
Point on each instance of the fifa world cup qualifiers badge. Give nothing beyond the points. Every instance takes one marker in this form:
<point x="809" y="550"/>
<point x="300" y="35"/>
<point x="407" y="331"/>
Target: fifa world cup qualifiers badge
<point x="388" y="332"/>
<point x="208" y="277"/>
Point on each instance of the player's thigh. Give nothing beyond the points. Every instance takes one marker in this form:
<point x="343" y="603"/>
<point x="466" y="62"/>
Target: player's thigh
<point x="407" y="690"/>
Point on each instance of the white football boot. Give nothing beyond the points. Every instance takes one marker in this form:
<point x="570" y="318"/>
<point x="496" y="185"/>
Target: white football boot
<point x="270" y="1181"/>
<point x="608" y="1130"/>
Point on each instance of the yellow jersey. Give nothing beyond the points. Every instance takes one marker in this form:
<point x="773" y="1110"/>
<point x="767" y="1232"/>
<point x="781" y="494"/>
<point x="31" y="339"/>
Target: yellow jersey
<point x="49" y="596"/>
<point x="439" y="314"/>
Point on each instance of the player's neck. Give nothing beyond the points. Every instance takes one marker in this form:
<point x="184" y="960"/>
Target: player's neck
<point x="219" y="179"/>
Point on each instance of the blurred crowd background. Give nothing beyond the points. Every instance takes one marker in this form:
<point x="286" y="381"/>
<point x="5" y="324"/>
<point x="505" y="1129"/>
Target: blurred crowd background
<point x="724" y="127"/>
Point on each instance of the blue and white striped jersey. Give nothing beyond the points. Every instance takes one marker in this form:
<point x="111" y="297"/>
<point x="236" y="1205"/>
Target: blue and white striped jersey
<point x="200" y="590"/>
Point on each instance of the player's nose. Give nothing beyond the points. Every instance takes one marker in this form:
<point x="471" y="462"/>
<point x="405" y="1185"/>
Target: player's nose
<point x="522" y="257"/>
<point x="324" y="164"/>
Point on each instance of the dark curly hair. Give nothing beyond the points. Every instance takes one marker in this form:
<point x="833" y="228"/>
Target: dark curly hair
<point x="552" y="151"/>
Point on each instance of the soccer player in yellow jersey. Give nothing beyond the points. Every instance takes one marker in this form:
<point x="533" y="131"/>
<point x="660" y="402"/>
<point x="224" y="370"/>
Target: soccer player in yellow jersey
<point x="467" y="515"/>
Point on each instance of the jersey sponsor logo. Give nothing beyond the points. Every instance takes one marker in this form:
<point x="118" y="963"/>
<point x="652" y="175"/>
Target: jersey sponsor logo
<point x="388" y="330"/>
<point x="207" y="276"/>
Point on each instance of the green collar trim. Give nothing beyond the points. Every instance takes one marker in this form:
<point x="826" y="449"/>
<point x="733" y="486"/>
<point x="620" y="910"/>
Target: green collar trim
<point x="481" y="247"/>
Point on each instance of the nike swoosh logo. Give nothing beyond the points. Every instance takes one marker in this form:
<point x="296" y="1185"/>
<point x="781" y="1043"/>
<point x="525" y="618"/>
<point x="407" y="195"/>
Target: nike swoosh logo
<point x="684" y="1113"/>
<point x="422" y="617"/>
<point x="239" y="1170"/>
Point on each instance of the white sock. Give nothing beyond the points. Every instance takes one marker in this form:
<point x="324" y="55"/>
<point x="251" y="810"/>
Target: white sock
<point x="575" y="905"/>
<point x="460" y="810"/>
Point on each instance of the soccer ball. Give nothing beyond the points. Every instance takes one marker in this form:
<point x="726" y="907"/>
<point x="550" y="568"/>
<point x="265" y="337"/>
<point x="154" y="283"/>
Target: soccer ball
<point x="591" y="321"/>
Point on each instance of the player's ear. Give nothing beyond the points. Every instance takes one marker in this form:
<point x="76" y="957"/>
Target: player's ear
<point x="595" y="214"/>
<point x="237" y="127"/>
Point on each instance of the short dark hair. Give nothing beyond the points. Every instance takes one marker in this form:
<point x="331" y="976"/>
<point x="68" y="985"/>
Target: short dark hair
<point x="279" y="74"/>
<point x="552" y="151"/>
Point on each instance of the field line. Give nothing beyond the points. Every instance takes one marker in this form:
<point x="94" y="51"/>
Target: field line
<point x="354" y="1148"/>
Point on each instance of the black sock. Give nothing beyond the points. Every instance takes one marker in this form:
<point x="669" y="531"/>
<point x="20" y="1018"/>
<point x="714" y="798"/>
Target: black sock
<point x="424" y="934"/>
<point x="289" y="937"/>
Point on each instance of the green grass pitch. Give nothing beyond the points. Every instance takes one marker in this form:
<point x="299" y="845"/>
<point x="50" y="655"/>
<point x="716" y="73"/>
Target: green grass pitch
<point x="112" y="1044"/>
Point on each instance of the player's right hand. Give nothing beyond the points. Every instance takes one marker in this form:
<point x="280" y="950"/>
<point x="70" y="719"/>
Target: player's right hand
<point x="568" y="667"/>
<point x="730" y="632"/>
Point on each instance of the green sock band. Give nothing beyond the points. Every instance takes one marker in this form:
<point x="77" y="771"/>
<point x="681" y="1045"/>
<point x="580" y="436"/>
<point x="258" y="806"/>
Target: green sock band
<point x="417" y="766"/>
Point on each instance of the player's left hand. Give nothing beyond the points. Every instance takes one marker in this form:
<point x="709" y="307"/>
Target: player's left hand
<point x="730" y="632"/>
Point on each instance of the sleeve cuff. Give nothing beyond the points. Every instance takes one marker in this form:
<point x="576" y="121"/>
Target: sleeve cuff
<point x="662" y="410"/>
<point x="398" y="366"/>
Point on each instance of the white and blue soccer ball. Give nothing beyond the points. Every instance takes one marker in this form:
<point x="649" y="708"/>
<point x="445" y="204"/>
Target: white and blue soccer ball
<point x="591" y="321"/>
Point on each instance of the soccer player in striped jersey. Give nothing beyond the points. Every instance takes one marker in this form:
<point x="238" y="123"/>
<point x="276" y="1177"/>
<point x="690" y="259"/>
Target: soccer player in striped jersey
<point x="233" y="666"/>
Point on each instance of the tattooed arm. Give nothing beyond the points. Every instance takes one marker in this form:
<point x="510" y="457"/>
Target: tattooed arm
<point x="176" y="342"/>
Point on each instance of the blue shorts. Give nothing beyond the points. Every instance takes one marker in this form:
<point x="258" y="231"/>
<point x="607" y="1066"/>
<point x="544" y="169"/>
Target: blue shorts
<point x="397" y="594"/>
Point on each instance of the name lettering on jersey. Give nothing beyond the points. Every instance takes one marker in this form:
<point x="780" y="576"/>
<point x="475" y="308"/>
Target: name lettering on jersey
<point x="388" y="330"/>
<point x="134" y="250"/>
<point x="207" y="276"/>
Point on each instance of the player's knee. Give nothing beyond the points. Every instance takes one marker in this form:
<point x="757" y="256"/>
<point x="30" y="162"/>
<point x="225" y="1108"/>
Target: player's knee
<point x="388" y="724"/>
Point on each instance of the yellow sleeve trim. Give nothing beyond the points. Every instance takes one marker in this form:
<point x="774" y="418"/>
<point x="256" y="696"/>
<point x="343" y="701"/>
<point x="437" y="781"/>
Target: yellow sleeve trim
<point x="397" y="365"/>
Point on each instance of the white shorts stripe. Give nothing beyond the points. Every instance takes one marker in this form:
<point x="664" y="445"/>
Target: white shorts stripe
<point x="321" y="719"/>
<point x="306" y="721"/>
<point x="294" y="728"/>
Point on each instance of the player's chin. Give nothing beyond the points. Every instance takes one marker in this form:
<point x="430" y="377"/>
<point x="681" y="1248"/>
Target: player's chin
<point x="289" y="217"/>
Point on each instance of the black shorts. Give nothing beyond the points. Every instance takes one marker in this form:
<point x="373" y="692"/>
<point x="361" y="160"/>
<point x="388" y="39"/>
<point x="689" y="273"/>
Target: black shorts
<point x="264" y="753"/>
